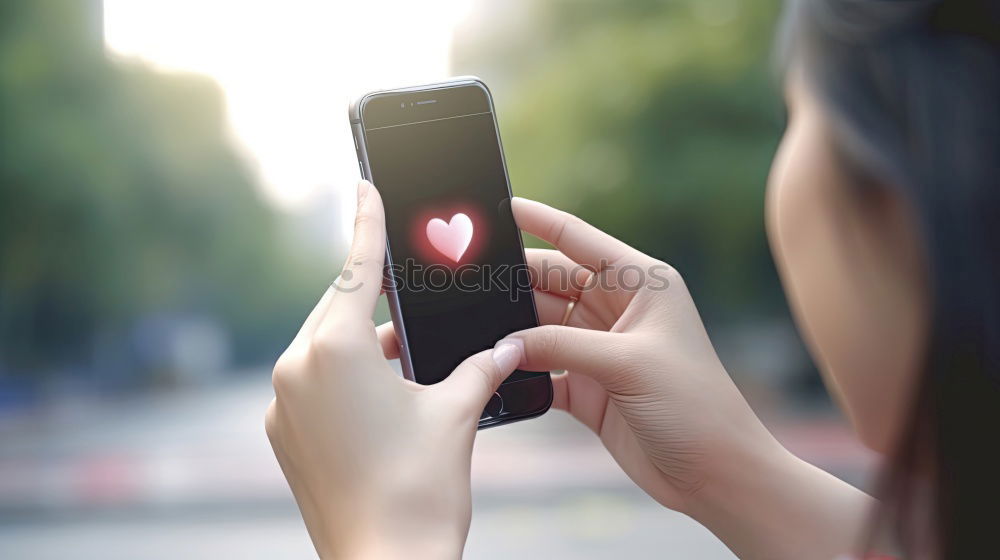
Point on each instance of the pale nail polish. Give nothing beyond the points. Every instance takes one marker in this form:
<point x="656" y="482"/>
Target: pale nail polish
<point x="516" y="342"/>
<point x="506" y="356"/>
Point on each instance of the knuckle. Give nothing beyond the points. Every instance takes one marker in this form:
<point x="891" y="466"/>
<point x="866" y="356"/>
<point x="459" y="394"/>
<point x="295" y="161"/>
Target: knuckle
<point x="284" y="373"/>
<point x="485" y="367"/>
<point x="329" y="344"/>
<point x="363" y="262"/>
<point x="661" y="270"/>
<point x="360" y="256"/>
<point x="485" y="372"/>
<point x="271" y="421"/>
<point x="559" y="228"/>
<point x="363" y="219"/>
<point x="670" y="270"/>
<point x="546" y="340"/>
<point x="285" y="362"/>
<point x="282" y="381"/>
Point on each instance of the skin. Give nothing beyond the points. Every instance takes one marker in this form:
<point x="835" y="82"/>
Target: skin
<point x="380" y="466"/>
<point x="853" y="268"/>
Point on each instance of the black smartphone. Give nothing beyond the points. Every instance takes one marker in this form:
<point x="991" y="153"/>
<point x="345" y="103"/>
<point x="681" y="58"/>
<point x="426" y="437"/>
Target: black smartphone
<point x="456" y="277"/>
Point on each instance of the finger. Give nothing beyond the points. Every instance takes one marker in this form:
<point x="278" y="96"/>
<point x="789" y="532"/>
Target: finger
<point x="551" y="310"/>
<point x="555" y="273"/>
<point x="582" y="397"/>
<point x="358" y="287"/>
<point x="560" y="391"/>
<point x="478" y="377"/>
<point x="596" y="354"/>
<point x="556" y="279"/>
<point x="578" y="240"/>
<point x="388" y="340"/>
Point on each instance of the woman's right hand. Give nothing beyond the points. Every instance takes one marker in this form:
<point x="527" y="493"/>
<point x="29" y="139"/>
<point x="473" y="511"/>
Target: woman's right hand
<point x="642" y="374"/>
<point x="640" y="369"/>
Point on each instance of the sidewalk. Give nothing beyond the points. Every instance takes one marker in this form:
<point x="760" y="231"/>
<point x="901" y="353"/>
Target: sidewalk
<point x="192" y="475"/>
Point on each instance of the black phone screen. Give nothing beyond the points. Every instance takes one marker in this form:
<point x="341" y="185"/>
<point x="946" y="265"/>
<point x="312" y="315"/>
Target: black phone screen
<point x="456" y="255"/>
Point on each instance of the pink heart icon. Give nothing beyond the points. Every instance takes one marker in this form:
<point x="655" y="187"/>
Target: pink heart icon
<point x="451" y="239"/>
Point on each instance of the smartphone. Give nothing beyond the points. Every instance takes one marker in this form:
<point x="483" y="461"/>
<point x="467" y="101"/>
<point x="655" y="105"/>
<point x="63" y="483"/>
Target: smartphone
<point x="456" y="276"/>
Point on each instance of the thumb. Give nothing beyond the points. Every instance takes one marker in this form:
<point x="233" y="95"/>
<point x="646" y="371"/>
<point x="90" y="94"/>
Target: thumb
<point x="596" y="354"/>
<point x="480" y="375"/>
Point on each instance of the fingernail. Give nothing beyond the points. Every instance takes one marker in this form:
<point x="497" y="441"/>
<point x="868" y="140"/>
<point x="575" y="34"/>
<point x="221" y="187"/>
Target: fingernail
<point x="507" y="356"/>
<point x="363" y="187"/>
<point x="516" y="342"/>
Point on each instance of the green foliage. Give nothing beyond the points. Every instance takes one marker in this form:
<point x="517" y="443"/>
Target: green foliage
<point x="656" y="121"/>
<point x="120" y="197"/>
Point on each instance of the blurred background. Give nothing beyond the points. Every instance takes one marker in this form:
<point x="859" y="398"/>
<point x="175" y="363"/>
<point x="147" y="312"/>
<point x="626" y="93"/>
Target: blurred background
<point x="176" y="190"/>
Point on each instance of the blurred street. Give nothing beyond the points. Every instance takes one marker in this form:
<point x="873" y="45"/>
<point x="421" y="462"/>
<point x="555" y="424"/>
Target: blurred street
<point x="176" y="193"/>
<point x="191" y="474"/>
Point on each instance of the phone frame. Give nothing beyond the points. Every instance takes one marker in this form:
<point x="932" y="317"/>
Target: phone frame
<point x="355" y="115"/>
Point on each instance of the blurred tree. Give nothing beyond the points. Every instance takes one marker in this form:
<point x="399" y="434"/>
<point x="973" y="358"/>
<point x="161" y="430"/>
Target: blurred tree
<point x="654" y="120"/>
<point x="121" y="197"/>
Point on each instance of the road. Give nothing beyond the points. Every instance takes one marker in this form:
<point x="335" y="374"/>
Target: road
<point x="190" y="474"/>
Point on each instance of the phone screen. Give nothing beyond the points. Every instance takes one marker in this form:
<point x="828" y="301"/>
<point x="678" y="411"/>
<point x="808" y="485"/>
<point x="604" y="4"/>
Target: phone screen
<point x="456" y="254"/>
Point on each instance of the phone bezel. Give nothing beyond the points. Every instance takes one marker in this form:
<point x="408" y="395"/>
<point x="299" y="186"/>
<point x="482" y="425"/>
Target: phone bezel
<point x="356" y="115"/>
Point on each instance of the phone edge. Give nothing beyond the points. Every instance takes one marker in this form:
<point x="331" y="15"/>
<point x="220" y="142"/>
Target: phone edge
<point x="388" y="278"/>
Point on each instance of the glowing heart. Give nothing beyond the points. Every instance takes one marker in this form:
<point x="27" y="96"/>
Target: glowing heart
<point x="452" y="238"/>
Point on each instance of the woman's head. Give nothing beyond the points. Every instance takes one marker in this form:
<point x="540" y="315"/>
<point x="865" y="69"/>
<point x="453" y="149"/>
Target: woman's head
<point x="853" y="264"/>
<point x="884" y="216"/>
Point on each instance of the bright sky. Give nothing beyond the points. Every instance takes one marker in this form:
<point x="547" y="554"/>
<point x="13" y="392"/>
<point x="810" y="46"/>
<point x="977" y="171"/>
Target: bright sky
<point x="290" y="68"/>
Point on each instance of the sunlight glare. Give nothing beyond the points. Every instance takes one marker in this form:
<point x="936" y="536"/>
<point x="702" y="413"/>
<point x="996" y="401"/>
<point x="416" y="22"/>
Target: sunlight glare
<point x="289" y="70"/>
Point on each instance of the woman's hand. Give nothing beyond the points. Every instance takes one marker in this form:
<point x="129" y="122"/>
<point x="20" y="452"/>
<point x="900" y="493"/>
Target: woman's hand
<point x="379" y="465"/>
<point x="642" y="374"/>
<point x="640" y="369"/>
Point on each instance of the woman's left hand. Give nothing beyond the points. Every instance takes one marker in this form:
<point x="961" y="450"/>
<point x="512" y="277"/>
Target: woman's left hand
<point x="379" y="465"/>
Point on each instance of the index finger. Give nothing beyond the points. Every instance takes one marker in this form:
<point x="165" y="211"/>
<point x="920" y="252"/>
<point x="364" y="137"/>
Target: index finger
<point x="360" y="283"/>
<point x="578" y="240"/>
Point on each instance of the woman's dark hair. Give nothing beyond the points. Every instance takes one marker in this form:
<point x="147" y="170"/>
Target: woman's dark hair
<point x="912" y="89"/>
